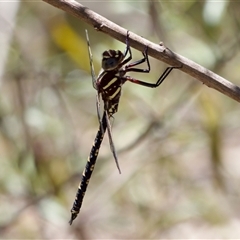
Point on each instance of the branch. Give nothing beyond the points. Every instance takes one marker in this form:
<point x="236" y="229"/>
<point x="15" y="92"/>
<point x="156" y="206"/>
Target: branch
<point x="159" y="52"/>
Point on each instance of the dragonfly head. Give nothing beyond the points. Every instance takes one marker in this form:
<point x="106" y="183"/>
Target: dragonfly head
<point x="111" y="59"/>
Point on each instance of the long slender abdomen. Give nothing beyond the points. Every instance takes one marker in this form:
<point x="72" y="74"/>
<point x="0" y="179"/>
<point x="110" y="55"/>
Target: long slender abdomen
<point x="88" y="169"/>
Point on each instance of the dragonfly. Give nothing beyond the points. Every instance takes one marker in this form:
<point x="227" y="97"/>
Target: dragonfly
<point x="108" y="84"/>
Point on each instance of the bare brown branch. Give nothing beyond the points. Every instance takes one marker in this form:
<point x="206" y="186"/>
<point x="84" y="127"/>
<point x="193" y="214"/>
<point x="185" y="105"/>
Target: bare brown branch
<point x="161" y="53"/>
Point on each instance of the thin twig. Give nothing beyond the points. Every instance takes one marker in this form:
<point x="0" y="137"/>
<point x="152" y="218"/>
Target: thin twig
<point x="159" y="52"/>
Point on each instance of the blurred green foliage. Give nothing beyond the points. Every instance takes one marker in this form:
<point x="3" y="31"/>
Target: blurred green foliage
<point x="178" y="145"/>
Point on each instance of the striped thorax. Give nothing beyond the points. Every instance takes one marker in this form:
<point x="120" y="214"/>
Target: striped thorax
<point x="109" y="81"/>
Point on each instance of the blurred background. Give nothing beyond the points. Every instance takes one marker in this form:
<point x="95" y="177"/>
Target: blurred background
<point x="178" y="145"/>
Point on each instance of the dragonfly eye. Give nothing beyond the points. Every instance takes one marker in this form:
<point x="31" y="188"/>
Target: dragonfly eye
<point x="109" y="63"/>
<point x="111" y="59"/>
